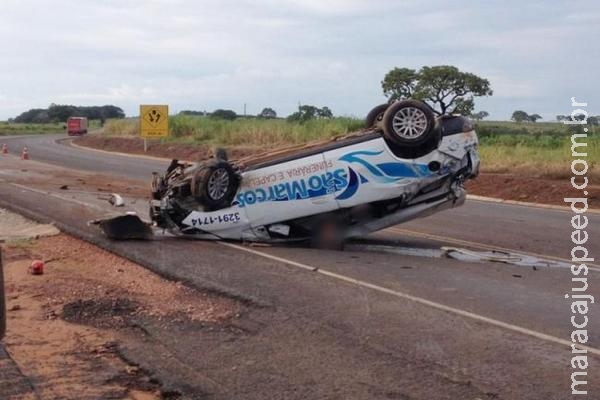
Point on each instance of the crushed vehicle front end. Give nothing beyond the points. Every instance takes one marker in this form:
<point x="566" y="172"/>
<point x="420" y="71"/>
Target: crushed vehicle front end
<point x="408" y="164"/>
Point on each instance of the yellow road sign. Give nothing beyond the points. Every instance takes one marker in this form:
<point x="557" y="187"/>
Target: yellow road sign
<point x="154" y="120"/>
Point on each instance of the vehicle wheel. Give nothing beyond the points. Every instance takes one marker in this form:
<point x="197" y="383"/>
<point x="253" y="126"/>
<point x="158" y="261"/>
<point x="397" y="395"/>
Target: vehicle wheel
<point x="408" y="123"/>
<point x="214" y="185"/>
<point x="410" y="153"/>
<point x="375" y="116"/>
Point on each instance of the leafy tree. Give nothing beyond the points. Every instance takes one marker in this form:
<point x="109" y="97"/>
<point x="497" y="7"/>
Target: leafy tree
<point x="224" y="114"/>
<point x="520" y="116"/>
<point x="324" y="112"/>
<point x="400" y="83"/>
<point x="560" y="118"/>
<point x="445" y="88"/>
<point x="267" y="113"/>
<point x="191" y="112"/>
<point x="534" y="117"/>
<point x="60" y="113"/>
<point x="35" y="115"/>
<point x="480" y="115"/>
<point x="308" y="112"/>
<point x="594" y="120"/>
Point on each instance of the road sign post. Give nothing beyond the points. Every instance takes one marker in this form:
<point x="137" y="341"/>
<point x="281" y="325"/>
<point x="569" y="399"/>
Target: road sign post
<point x="154" y="122"/>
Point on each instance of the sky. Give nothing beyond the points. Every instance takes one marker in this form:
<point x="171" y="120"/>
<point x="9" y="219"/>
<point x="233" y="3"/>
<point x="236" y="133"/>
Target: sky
<point x="204" y="55"/>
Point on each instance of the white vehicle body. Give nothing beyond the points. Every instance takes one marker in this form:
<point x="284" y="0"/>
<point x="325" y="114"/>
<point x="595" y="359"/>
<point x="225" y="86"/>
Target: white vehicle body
<point x="407" y="164"/>
<point x="274" y="197"/>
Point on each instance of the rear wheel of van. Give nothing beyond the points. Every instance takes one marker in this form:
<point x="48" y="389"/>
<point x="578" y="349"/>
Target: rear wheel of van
<point x="375" y="116"/>
<point x="215" y="185"/>
<point x="408" y="123"/>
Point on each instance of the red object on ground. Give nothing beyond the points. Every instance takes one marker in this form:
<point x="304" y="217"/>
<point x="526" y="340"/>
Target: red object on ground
<point x="77" y="125"/>
<point x="25" y="153"/>
<point x="4" y="148"/>
<point x="37" y="267"/>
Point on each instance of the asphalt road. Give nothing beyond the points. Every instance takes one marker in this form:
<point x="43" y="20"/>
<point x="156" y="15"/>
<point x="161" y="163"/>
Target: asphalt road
<point x="364" y="323"/>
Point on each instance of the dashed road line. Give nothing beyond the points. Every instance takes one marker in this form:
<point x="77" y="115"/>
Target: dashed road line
<point x="415" y="299"/>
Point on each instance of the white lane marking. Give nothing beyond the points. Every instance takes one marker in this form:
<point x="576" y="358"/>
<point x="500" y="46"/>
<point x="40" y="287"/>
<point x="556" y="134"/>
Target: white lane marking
<point x="591" y="267"/>
<point x="562" y="209"/>
<point x="45" y="193"/>
<point x="419" y="300"/>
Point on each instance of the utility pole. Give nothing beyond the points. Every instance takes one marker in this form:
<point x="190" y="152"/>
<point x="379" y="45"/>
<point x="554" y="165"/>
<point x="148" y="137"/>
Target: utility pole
<point x="244" y="109"/>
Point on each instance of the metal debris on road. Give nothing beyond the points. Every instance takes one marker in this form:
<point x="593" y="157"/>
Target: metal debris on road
<point x="116" y="200"/>
<point x="501" y="257"/>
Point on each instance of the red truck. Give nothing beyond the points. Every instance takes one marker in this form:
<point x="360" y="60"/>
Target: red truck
<point x="77" y="126"/>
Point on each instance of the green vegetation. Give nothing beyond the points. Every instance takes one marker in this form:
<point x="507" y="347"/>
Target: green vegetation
<point x="57" y="113"/>
<point x="444" y="87"/>
<point x="540" y="149"/>
<point x="241" y="131"/>
<point x="13" y="128"/>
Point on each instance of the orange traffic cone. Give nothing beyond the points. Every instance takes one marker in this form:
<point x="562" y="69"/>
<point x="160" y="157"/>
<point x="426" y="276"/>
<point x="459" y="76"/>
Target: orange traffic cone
<point x="25" y="154"/>
<point x="4" y="148"/>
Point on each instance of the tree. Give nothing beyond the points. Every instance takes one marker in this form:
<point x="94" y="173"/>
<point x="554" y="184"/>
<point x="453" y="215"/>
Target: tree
<point x="520" y="116"/>
<point x="445" y="88"/>
<point x="480" y="115"/>
<point x="308" y="112"/>
<point x="324" y="112"/>
<point x="267" y="113"/>
<point x="560" y="118"/>
<point x="191" y="112"/>
<point x="60" y="113"/>
<point x="534" y="117"/>
<point x="224" y="114"/>
<point x="400" y="83"/>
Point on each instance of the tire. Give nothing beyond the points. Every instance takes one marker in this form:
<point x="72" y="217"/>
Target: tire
<point x="410" y="152"/>
<point x="215" y="185"/>
<point x="375" y="116"/>
<point x="409" y="123"/>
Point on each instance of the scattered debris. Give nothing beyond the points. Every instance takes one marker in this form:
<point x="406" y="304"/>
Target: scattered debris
<point x="125" y="227"/>
<point x="116" y="200"/>
<point x="501" y="257"/>
<point x="36" y="267"/>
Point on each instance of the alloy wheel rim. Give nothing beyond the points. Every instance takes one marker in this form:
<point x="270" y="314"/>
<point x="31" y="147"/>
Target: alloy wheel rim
<point x="218" y="183"/>
<point x="409" y="123"/>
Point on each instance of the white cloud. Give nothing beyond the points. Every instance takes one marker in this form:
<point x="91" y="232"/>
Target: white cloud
<point x="205" y="54"/>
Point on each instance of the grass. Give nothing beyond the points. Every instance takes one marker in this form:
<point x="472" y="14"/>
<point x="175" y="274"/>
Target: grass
<point x="189" y="129"/>
<point x="540" y="149"/>
<point x="12" y="128"/>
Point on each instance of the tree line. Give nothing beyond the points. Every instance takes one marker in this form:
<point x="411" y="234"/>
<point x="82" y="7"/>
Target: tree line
<point x="60" y="113"/>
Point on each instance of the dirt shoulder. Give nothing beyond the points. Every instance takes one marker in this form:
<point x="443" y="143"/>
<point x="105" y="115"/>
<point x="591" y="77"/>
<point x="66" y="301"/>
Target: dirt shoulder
<point x="68" y="327"/>
<point x="524" y="186"/>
